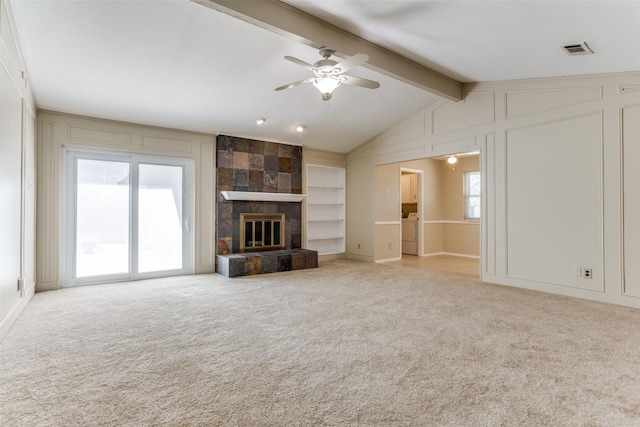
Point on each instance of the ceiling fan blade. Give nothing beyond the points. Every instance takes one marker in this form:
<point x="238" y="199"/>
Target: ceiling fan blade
<point x="298" y="83"/>
<point x="299" y="62"/>
<point x="348" y="64"/>
<point x="359" y="81"/>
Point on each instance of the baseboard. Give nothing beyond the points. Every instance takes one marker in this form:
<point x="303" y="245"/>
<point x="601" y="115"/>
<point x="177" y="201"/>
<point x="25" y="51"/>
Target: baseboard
<point x="388" y="260"/>
<point x="358" y="257"/>
<point x="17" y="310"/>
<point x="331" y="257"/>
<point x="452" y="254"/>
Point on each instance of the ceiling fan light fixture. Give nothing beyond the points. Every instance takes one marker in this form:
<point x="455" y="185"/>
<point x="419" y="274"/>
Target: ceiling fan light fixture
<point x="329" y="74"/>
<point x="326" y="85"/>
<point x="261" y="120"/>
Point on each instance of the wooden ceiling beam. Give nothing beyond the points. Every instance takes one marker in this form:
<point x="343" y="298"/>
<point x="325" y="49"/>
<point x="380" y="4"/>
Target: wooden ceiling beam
<point x="286" y="20"/>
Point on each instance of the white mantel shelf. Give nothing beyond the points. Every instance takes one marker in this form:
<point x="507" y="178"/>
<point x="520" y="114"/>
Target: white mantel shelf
<point x="254" y="196"/>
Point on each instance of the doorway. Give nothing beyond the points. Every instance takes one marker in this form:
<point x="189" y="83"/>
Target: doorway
<point x="449" y="214"/>
<point x="127" y="217"/>
<point x="411" y="203"/>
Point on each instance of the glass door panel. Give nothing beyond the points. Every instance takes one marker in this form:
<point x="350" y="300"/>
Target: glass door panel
<point x="160" y="218"/>
<point x="127" y="216"/>
<point x="102" y="218"/>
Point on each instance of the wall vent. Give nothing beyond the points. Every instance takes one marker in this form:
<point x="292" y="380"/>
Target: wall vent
<point x="578" y="49"/>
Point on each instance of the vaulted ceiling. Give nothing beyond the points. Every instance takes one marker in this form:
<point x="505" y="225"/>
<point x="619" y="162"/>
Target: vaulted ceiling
<point x="212" y="66"/>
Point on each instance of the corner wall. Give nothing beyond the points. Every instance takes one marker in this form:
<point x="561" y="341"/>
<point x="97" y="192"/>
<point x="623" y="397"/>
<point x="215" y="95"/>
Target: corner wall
<point x="559" y="188"/>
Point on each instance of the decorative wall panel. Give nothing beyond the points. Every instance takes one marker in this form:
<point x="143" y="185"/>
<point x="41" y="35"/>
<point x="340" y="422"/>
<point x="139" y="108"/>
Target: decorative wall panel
<point x="554" y="202"/>
<point x="452" y="146"/>
<point x="110" y="137"/>
<point x="173" y="145"/>
<point x="629" y="89"/>
<point x="524" y="102"/>
<point x="411" y="131"/>
<point x="631" y="199"/>
<point x="478" y="108"/>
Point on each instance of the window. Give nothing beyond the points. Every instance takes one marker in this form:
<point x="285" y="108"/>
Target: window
<point x="472" y="195"/>
<point x="127" y="216"/>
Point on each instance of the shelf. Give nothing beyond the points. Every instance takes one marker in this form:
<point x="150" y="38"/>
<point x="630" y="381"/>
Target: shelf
<point x="334" y="237"/>
<point x="262" y="197"/>
<point x="326" y="209"/>
<point x="325" y="203"/>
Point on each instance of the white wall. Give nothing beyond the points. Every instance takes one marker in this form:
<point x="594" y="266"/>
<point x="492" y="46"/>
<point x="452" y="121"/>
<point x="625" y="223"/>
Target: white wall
<point x="17" y="175"/>
<point x="57" y="130"/>
<point x="558" y="192"/>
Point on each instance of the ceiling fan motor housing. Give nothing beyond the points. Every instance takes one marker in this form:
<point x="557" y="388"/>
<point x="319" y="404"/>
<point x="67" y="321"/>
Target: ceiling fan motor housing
<point x="326" y="52"/>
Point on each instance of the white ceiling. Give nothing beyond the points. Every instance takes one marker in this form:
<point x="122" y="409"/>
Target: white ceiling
<point x="181" y="65"/>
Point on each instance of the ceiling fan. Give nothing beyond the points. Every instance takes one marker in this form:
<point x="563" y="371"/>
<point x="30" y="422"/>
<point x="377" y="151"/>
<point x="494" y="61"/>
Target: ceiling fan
<point x="329" y="74"/>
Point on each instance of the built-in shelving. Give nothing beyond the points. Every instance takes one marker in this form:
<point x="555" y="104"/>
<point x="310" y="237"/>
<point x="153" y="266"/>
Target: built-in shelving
<point x="326" y="209"/>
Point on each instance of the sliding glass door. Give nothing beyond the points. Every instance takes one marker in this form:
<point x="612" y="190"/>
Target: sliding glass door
<point x="127" y="217"/>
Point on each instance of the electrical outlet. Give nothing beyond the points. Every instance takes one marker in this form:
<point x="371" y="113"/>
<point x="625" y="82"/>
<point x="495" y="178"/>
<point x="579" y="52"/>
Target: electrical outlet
<point x="586" y="273"/>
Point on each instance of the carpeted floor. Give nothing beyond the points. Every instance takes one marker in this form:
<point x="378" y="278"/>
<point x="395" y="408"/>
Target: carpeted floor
<point x="349" y="343"/>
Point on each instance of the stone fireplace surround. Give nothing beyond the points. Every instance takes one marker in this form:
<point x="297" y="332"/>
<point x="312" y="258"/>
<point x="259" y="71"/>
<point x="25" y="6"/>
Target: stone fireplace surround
<point x="258" y="166"/>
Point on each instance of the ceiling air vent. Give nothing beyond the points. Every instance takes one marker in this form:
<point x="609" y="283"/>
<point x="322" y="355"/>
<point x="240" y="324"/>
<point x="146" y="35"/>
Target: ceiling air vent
<point x="578" y="49"/>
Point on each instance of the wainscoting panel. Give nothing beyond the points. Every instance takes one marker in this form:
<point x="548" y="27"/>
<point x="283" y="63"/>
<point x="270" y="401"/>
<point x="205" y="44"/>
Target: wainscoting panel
<point x="388" y="244"/>
<point x="453" y="146"/>
<point x="205" y="224"/>
<point x="107" y="137"/>
<point x="554" y="202"/>
<point x="631" y="199"/>
<point x="477" y="109"/>
<point x="413" y="130"/>
<point x="524" y="102"/>
<point x="629" y="89"/>
<point x="489" y="206"/>
<point x="47" y="248"/>
<point x="165" y="144"/>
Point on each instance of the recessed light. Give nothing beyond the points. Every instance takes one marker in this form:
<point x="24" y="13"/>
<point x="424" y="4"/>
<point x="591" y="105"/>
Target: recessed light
<point x="261" y="121"/>
<point x="300" y="128"/>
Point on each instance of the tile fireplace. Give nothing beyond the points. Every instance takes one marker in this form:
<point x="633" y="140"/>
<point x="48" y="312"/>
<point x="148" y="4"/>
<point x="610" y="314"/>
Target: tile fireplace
<point x="259" y="234"/>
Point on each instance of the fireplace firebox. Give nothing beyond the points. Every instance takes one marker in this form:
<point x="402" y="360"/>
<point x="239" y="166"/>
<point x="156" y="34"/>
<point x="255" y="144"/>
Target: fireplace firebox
<point x="262" y="231"/>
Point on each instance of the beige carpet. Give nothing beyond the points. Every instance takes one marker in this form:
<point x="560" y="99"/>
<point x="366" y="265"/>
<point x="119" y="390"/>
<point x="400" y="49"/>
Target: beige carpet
<point x="350" y="343"/>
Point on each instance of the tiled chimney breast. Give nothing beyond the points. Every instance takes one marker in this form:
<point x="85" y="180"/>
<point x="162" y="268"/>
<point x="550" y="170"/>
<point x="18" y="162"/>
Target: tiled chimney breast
<point x="259" y="166"/>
